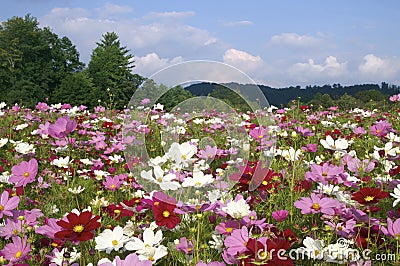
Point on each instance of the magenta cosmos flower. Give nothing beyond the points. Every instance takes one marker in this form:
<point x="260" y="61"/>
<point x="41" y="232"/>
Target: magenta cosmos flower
<point x="7" y="204"/>
<point x="316" y="204"/>
<point x="237" y="241"/>
<point x="17" y="250"/>
<point x="24" y="173"/>
<point x="62" y="127"/>
<point x="280" y="215"/>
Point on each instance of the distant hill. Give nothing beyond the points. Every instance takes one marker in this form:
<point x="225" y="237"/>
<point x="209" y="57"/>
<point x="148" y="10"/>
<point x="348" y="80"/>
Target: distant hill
<point x="281" y="96"/>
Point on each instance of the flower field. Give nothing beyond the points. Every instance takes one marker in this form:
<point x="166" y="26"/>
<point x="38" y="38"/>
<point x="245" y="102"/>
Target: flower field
<point x="101" y="187"/>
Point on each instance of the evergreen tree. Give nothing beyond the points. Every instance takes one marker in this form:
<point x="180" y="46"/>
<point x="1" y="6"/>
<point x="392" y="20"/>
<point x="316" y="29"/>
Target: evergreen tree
<point x="110" y="68"/>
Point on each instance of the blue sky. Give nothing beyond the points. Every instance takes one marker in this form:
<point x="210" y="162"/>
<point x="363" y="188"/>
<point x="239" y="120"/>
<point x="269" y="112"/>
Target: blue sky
<point x="278" y="43"/>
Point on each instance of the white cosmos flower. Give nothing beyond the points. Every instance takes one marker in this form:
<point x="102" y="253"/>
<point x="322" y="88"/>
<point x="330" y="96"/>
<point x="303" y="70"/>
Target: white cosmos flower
<point x="61" y="162"/>
<point x="396" y="195"/>
<point x="237" y="209"/>
<point x="24" y="148"/>
<point x="76" y="190"/>
<point x="290" y="155"/>
<point x="3" y="142"/>
<point x="166" y="182"/>
<point x="59" y="256"/>
<point x="198" y="180"/>
<point x="99" y="174"/>
<point x="182" y="153"/>
<point x="111" y="240"/>
<point x="337" y="145"/>
<point x="21" y="126"/>
<point x="149" y="248"/>
<point x="312" y="248"/>
<point x="86" y="161"/>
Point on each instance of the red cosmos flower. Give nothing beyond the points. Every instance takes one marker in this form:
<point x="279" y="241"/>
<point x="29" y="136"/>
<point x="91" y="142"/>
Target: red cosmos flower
<point x="164" y="214"/>
<point x="369" y="195"/>
<point x="107" y="124"/>
<point x="78" y="227"/>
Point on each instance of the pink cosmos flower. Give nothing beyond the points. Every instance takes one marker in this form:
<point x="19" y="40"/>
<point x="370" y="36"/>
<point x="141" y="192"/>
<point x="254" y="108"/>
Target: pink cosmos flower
<point x="7" y="204"/>
<point x="17" y="250"/>
<point x="131" y="259"/>
<point x="49" y="228"/>
<point x="24" y="173"/>
<point x="208" y="153"/>
<point x="145" y="101"/>
<point x="185" y="246"/>
<point x="227" y="227"/>
<point x="317" y="204"/>
<point x="62" y="127"/>
<point x="12" y="228"/>
<point x="236" y="242"/>
<point x="323" y="173"/>
<point x="280" y="215"/>
<point x="358" y="167"/>
<point x="393" y="228"/>
<point x="112" y="183"/>
<point x="42" y="107"/>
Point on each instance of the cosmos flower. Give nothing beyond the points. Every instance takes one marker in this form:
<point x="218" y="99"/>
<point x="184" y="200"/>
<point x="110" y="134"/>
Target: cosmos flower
<point x="149" y="248"/>
<point x="17" y="250"/>
<point x="237" y="208"/>
<point x="24" y="173"/>
<point x="369" y="195"/>
<point x="336" y="145"/>
<point x="110" y="240"/>
<point x="130" y="260"/>
<point x="62" y="127"/>
<point x="166" y="182"/>
<point x="316" y="204"/>
<point x="78" y="227"/>
<point x="7" y="204"/>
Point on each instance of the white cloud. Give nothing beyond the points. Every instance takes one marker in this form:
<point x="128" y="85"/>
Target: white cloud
<point x="295" y="40"/>
<point x="330" y="70"/>
<point x="169" y="38"/>
<point x="170" y="15"/>
<point x="237" y="23"/>
<point x="151" y="63"/>
<point x="242" y="60"/>
<point x="375" y="68"/>
<point x="113" y="9"/>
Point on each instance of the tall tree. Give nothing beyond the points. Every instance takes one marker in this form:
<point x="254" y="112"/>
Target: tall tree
<point x="32" y="56"/>
<point x="110" y="68"/>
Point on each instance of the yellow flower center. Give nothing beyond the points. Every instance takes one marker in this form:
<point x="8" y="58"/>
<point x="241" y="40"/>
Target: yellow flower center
<point x="369" y="198"/>
<point x="184" y="157"/>
<point x="151" y="258"/>
<point x="260" y="136"/>
<point x="198" y="184"/>
<point x="229" y="229"/>
<point x="117" y="211"/>
<point x="18" y="254"/>
<point x="340" y="228"/>
<point x="114" y="242"/>
<point x="316" y="206"/>
<point x="159" y="179"/>
<point x="26" y="174"/>
<point x="324" y="174"/>
<point x="113" y="186"/>
<point x="78" y="228"/>
<point x="264" y="255"/>
<point x="156" y="203"/>
<point x="378" y="131"/>
<point x="166" y="214"/>
<point x="1" y="208"/>
<point x="264" y="183"/>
